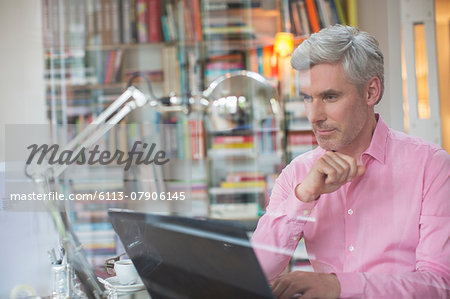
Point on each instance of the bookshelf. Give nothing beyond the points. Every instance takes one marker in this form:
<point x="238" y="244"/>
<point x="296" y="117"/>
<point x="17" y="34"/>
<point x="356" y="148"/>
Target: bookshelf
<point x="92" y="47"/>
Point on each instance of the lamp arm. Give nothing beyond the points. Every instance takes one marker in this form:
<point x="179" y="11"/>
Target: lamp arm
<point x="45" y="179"/>
<point x="92" y="133"/>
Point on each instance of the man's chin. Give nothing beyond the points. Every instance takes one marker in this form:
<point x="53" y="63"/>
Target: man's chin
<point x="327" y="145"/>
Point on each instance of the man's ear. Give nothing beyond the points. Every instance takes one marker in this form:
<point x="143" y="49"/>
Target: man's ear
<point x="373" y="91"/>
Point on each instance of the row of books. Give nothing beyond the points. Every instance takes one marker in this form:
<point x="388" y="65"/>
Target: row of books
<point x="242" y="194"/>
<point x="108" y="22"/>
<point x="217" y="5"/>
<point x="259" y="60"/>
<point x="101" y="22"/>
<point x="90" y="217"/>
<point x="178" y="137"/>
<point x="299" y="142"/>
<point x="80" y="67"/>
<point x="181" y="21"/>
<point x="303" y="17"/>
<point x="92" y="67"/>
<point x="182" y="138"/>
<point x="250" y="179"/>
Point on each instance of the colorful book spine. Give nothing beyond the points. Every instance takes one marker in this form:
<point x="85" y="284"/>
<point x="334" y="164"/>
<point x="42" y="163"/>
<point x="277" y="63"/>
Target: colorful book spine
<point x="196" y="18"/>
<point x="245" y="184"/>
<point x="126" y="30"/>
<point x="313" y="17"/>
<point x="154" y="21"/>
<point x="245" y="176"/>
<point x="233" y="139"/>
<point x="107" y="22"/>
<point x="304" y="18"/>
<point x="197" y="139"/>
<point x="232" y="145"/>
<point x="352" y="13"/>
<point x="340" y="12"/>
<point x="141" y="19"/>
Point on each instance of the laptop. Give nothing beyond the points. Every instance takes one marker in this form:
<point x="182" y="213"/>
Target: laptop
<point x="178" y="257"/>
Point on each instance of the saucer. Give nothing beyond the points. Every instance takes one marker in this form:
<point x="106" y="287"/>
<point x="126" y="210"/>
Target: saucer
<point x="114" y="281"/>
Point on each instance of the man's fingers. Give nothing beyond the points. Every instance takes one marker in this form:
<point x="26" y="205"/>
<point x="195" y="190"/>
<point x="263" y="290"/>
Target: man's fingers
<point x="308" y="295"/>
<point x="330" y="173"/>
<point x="277" y="287"/>
<point x="351" y="163"/>
<point x="361" y="170"/>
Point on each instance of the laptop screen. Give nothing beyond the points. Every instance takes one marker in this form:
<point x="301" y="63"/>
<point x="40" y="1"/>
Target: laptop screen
<point x="178" y="257"/>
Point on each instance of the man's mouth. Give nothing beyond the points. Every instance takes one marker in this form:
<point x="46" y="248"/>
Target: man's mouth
<point x="325" y="132"/>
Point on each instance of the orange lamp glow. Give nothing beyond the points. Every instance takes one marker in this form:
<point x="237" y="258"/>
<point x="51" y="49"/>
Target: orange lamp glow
<point x="284" y="43"/>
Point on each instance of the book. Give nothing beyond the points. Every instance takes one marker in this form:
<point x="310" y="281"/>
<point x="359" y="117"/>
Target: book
<point x="197" y="139"/>
<point x="126" y="22"/>
<point x="312" y="14"/>
<point x="286" y="16"/>
<point x="232" y="139"/>
<point x="87" y="227"/>
<point x="234" y="210"/>
<point x="171" y="70"/>
<point x="352" y="13"/>
<point x="333" y="11"/>
<point x="171" y="24"/>
<point x="152" y="75"/>
<point x="232" y="145"/>
<point x="304" y="18"/>
<point x="243" y="176"/>
<point x="133" y="21"/>
<point x="340" y="12"/>
<point x="115" y="22"/>
<point x="324" y="13"/>
<point x="188" y="24"/>
<point x="295" y="17"/>
<point x="301" y="139"/>
<point x="141" y="21"/>
<point x="243" y="184"/>
<point x="196" y="18"/>
<point x="110" y="61"/>
<point x="99" y="25"/>
<point x="154" y="21"/>
<point x="107" y="24"/>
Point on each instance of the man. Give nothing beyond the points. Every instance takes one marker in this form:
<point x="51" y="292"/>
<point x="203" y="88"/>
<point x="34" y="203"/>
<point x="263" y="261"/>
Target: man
<point x="372" y="204"/>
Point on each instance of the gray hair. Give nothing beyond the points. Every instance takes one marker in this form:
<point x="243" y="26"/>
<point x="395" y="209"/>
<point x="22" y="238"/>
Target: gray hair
<point x="356" y="50"/>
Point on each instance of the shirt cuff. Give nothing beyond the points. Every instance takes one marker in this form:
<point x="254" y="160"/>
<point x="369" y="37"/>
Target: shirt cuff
<point x="298" y="210"/>
<point x="351" y="285"/>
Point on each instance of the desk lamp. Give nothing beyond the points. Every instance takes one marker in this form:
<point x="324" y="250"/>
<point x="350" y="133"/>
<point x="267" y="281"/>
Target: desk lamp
<point x="233" y="101"/>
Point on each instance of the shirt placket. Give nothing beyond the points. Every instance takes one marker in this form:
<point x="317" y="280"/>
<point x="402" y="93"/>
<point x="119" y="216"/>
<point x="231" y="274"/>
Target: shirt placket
<point x="352" y="222"/>
<point x="350" y="229"/>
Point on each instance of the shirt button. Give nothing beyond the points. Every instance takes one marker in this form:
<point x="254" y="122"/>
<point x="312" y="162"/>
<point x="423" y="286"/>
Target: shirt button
<point x="294" y="238"/>
<point x="350" y="211"/>
<point x="351" y="248"/>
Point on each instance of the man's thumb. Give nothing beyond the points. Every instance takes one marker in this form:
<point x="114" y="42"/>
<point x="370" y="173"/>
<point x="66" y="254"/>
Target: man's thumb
<point x="360" y="171"/>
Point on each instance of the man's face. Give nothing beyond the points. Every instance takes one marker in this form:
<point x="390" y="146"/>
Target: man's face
<point x="337" y="111"/>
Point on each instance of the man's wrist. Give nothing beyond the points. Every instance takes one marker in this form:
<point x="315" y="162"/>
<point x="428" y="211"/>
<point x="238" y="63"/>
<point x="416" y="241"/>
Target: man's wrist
<point x="304" y="195"/>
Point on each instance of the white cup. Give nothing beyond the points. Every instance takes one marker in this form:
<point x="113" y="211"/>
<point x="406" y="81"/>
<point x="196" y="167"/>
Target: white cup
<point x="126" y="272"/>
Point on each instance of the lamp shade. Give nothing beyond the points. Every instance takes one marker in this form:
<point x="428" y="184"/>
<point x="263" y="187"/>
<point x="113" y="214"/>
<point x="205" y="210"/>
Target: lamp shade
<point x="284" y="43"/>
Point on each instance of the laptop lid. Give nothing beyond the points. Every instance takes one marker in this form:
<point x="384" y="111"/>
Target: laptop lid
<point x="178" y="257"/>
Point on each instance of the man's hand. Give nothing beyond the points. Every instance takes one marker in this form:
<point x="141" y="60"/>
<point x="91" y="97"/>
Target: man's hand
<point x="328" y="174"/>
<point x="307" y="284"/>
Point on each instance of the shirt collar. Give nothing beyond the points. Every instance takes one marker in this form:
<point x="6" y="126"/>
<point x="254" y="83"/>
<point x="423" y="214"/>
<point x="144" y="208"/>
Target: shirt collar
<point x="377" y="147"/>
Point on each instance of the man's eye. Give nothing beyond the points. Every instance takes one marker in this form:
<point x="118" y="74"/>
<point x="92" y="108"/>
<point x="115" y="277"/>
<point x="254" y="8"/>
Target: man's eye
<point x="329" y="98"/>
<point x="306" y="98"/>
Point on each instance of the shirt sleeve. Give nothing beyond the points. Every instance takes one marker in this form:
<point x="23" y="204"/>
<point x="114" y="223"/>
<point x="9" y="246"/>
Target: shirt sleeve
<point x="280" y="229"/>
<point x="432" y="276"/>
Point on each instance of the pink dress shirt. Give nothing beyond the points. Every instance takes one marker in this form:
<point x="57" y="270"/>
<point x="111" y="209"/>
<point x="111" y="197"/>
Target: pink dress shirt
<point x="386" y="234"/>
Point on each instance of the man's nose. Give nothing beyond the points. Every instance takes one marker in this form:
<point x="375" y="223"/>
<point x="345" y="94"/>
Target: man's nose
<point x="316" y="111"/>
